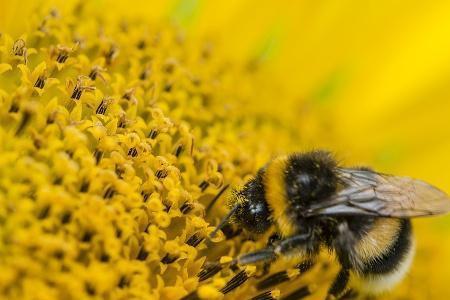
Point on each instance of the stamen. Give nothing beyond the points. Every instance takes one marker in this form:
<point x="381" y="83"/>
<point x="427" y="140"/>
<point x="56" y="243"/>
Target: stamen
<point x="65" y="218"/>
<point x="194" y="240"/>
<point x="101" y="109"/>
<point x="98" y="156"/>
<point x="109" y="193"/>
<point x="160" y="174"/>
<point x="87" y="236"/>
<point x="111" y="54"/>
<point x="79" y="88"/>
<point x="168" y="259"/>
<point x="273" y="280"/>
<point x="153" y="134"/>
<point x="19" y="49"/>
<point x="96" y="71"/>
<point x="84" y="186"/>
<point x="89" y="289"/>
<point x="14" y="108"/>
<point x="283" y="276"/>
<point x="40" y="82"/>
<point x="269" y="295"/>
<point x="142" y="255"/>
<point x="203" y="185"/>
<point x="178" y="150"/>
<point x="209" y="271"/>
<point x="123" y="282"/>
<point x="44" y="212"/>
<point x="235" y="282"/>
<point x="132" y="152"/>
<point x="186" y="208"/>
<point x="298" y="294"/>
<point x="23" y="123"/>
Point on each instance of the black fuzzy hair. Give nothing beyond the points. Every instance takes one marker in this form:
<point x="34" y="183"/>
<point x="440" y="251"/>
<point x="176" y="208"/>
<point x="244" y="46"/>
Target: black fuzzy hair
<point x="310" y="177"/>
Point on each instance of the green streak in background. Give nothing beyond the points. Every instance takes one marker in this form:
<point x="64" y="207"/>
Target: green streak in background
<point x="390" y="154"/>
<point x="184" y="12"/>
<point x="325" y="92"/>
<point x="269" y="45"/>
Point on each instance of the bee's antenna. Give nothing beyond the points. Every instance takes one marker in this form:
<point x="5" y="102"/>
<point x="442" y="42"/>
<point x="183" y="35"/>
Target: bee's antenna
<point x="224" y="221"/>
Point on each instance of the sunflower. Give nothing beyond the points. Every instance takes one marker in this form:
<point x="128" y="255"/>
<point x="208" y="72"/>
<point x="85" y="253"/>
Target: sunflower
<point x="124" y="126"/>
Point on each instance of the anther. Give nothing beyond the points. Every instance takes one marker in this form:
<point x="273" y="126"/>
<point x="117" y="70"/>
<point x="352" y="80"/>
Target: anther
<point x="132" y="152"/>
<point x="153" y="134"/>
<point x="194" y="240"/>
<point x="101" y="109"/>
<point x="40" y="82"/>
<point x="14" y="108"/>
<point x="66" y="217"/>
<point x="160" y="174"/>
<point x="142" y="255"/>
<point x="44" y="212"/>
<point x="111" y="54"/>
<point x="96" y="71"/>
<point x="209" y="271"/>
<point x="203" y="185"/>
<point x="178" y="150"/>
<point x="98" y="156"/>
<point x="87" y="236"/>
<point x="109" y="193"/>
<point x="84" y="186"/>
<point x="301" y="293"/>
<point x="283" y="276"/>
<point x="79" y="88"/>
<point x="20" y="49"/>
<point x="145" y="74"/>
<point x="89" y="289"/>
<point x="239" y="279"/>
<point x="26" y="117"/>
<point x="269" y="295"/>
<point x="141" y="44"/>
<point x="145" y="196"/>
<point x="186" y="207"/>
<point x="123" y="282"/>
<point x="168" y="259"/>
<point x="273" y="280"/>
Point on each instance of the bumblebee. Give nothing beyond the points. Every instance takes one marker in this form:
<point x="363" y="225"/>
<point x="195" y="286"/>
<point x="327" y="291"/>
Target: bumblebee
<point x="361" y="215"/>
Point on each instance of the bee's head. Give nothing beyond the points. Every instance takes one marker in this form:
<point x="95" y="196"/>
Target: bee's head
<point x="248" y="207"/>
<point x="251" y="209"/>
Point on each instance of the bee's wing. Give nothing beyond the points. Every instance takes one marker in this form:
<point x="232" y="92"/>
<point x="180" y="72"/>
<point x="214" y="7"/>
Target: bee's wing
<point x="369" y="193"/>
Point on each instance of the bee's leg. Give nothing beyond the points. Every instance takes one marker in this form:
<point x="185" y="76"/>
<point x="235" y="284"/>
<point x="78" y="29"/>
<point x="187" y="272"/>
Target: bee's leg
<point x="339" y="284"/>
<point x="274" y="238"/>
<point x="271" y="253"/>
<point x="286" y="275"/>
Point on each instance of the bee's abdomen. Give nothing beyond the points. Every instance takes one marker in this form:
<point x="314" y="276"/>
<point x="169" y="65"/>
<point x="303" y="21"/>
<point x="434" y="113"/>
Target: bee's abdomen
<point x="390" y="258"/>
<point x="386" y="256"/>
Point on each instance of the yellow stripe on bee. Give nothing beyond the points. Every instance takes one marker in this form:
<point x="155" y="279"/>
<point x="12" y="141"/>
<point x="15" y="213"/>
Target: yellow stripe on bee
<point x="275" y="187"/>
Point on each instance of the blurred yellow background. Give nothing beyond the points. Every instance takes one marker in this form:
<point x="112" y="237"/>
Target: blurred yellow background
<point x="369" y="80"/>
<point x="370" y="77"/>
